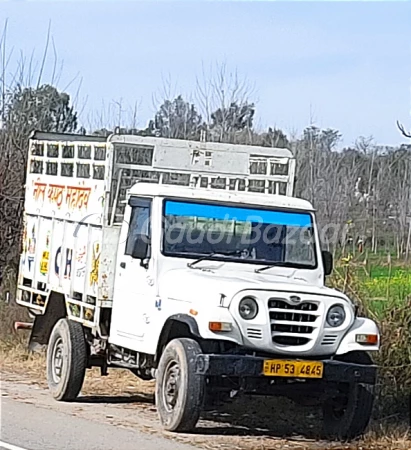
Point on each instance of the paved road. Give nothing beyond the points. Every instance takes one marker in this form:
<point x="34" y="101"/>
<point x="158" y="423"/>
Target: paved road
<point x="35" y="427"/>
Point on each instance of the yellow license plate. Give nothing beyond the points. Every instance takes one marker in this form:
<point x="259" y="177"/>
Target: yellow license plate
<point x="298" y="369"/>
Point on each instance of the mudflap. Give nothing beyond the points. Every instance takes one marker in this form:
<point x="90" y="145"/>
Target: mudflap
<point x="40" y="333"/>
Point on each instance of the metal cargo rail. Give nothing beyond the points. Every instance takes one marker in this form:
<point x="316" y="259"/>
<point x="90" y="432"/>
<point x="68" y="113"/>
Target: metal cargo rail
<point x="202" y="165"/>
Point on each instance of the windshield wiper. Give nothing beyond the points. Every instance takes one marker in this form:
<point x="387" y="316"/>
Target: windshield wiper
<point x="212" y="255"/>
<point x="282" y="264"/>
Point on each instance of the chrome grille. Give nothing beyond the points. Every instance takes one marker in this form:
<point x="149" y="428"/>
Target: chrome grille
<point x="292" y="317"/>
<point x="291" y="328"/>
<point x="292" y="324"/>
<point x="279" y="303"/>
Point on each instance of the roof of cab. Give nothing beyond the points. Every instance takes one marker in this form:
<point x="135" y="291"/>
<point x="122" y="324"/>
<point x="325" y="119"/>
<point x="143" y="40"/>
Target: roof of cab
<point x="161" y="190"/>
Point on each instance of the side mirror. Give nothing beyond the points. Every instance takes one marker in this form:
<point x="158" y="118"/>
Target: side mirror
<point x="141" y="246"/>
<point x="328" y="262"/>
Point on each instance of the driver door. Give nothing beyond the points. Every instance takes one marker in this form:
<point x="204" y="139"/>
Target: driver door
<point x="134" y="287"/>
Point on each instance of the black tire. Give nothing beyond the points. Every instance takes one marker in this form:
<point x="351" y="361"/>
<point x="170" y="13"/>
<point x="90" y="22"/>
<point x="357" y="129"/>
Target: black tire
<point x="179" y="390"/>
<point x="66" y="360"/>
<point x="347" y="416"/>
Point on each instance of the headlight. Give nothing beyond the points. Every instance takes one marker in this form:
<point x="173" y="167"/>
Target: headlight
<point x="248" y="308"/>
<point x="336" y="316"/>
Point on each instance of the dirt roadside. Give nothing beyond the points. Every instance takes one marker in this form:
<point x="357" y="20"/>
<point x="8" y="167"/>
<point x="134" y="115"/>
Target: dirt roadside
<point x="124" y="400"/>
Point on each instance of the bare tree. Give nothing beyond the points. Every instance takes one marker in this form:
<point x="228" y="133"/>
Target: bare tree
<point x="224" y="98"/>
<point x="23" y="108"/>
<point x="402" y="129"/>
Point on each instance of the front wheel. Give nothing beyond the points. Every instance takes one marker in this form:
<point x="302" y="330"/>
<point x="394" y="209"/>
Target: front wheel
<point x="346" y="415"/>
<point x="66" y="360"/>
<point x="179" y="390"/>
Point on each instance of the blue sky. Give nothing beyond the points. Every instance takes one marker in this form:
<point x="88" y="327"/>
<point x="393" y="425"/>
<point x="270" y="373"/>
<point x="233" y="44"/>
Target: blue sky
<point x="343" y="65"/>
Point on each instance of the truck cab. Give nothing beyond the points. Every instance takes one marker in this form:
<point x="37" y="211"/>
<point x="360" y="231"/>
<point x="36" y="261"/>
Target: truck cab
<point x="244" y="275"/>
<point x="201" y="254"/>
<point x="212" y="287"/>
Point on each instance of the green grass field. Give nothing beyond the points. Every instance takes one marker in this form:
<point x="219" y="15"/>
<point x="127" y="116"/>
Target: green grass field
<point x="381" y="284"/>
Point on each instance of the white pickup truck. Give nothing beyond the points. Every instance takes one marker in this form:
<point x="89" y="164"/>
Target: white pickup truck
<point x="191" y="263"/>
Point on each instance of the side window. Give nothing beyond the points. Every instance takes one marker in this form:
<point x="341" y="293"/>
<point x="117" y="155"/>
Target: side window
<point x="139" y="222"/>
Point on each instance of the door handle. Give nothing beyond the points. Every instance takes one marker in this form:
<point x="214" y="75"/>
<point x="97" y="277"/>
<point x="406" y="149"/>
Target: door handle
<point x="123" y="265"/>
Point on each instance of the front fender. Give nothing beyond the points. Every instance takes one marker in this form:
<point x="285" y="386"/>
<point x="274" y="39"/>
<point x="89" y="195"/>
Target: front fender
<point x="197" y="329"/>
<point x="187" y="320"/>
<point x="360" y="326"/>
<point x="219" y="315"/>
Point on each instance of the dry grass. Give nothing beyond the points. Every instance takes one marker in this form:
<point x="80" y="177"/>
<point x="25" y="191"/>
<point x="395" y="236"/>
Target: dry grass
<point x="249" y="423"/>
<point x="262" y="423"/>
<point x="17" y="360"/>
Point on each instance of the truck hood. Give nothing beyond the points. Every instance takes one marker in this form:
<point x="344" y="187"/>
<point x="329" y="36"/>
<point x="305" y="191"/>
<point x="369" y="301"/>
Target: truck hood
<point x="193" y="285"/>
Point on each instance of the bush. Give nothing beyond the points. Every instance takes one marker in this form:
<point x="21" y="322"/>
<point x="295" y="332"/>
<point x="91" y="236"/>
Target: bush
<point x="392" y="312"/>
<point x="394" y="359"/>
<point x="11" y="312"/>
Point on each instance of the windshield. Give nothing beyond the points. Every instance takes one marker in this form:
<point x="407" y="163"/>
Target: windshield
<point x="242" y="234"/>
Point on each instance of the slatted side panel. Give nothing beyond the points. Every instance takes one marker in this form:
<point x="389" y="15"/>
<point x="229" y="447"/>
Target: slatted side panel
<point x="67" y="179"/>
<point x="133" y="163"/>
<point x="68" y="159"/>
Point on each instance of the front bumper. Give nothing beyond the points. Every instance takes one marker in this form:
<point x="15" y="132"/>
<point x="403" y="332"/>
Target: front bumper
<point x="251" y="366"/>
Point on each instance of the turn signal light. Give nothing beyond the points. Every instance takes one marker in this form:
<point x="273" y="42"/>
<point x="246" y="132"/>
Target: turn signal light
<point x="367" y="339"/>
<point x="220" y="326"/>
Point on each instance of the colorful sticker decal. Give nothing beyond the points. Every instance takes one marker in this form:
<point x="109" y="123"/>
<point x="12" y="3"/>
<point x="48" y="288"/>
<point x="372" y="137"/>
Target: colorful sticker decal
<point x="39" y="300"/>
<point x="44" y="263"/>
<point x="75" y="197"/>
<point x="81" y="262"/>
<point x="39" y="191"/>
<point x="67" y="268"/>
<point x="31" y="247"/>
<point x="24" y="242"/>
<point x="95" y="263"/>
<point x="67" y="262"/>
<point x="89" y="314"/>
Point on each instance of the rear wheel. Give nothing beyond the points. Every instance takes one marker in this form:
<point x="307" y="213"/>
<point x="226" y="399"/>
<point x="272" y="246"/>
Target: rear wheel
<point x="66" y="360"/>
<point x="179" y="390"/>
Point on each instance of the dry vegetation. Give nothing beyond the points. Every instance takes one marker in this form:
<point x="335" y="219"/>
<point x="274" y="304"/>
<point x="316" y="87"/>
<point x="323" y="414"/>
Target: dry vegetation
<point x="265" y="423"/>
<point x="386" y="298"/>
<point x="246" y="424"/>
